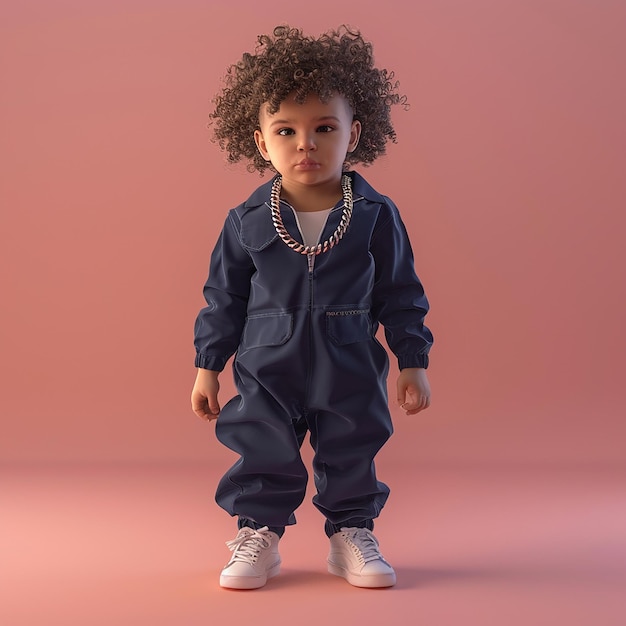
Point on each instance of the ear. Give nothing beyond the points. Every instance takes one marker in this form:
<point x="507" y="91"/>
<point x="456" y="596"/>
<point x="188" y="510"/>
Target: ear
<point x="355" y="135"/>
<point x="260" y="144"/>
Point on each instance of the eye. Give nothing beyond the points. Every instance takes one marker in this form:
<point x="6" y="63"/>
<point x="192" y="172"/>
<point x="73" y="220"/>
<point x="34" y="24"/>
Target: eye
<point x="325" y="129"/>
<point x="285" y="131"/>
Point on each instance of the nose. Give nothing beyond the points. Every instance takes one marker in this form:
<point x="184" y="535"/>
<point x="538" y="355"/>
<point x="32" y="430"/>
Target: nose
<point x="306" y="144"/>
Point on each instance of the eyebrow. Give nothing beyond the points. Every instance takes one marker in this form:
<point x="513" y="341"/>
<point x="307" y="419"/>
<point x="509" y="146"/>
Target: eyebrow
<point x="325" y="118"/>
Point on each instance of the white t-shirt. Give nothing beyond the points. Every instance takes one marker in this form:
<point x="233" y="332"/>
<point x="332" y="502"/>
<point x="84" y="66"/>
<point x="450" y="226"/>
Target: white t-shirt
<point x="311" y="225"/>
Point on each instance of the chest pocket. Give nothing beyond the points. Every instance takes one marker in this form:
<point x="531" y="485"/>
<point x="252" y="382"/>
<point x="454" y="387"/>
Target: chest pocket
<point x="267" y="330"/>
<point x="257" y="231"/>
<point x="349" y="326"/>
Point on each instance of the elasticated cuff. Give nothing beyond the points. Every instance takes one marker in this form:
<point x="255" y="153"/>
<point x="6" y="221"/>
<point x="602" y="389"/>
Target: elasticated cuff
<point x="330" y="529"/>
<point x="412" y="360"/>
<point x="245" y="522"/>
<point x="215" y="363"/>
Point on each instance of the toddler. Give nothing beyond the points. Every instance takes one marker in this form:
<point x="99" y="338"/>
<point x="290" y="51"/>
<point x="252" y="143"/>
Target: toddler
<point x="302" y="274"/>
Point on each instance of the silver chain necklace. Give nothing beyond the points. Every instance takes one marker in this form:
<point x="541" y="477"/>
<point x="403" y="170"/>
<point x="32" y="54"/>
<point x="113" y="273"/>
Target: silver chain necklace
<point x="333" y="240"/>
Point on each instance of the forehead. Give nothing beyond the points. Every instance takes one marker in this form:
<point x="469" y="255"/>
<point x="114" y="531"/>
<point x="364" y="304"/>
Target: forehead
<point x="336" y="106"/>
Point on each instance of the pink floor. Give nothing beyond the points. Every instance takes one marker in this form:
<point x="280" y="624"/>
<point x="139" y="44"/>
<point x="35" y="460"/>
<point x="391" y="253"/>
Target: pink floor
<point x="124" y="546"/>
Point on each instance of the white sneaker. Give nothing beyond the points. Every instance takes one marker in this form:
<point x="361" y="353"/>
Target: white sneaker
<point x="255" y="559"/>
<point x="354" y="555"/>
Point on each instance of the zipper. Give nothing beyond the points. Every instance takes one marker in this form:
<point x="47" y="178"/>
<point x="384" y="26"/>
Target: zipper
<point x="309" y="374"/>
<point x="310" y="259"/>
<point x="311" y="266"/>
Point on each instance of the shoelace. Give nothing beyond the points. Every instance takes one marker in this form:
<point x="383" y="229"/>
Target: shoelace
<point x="363" y="542"/>
<point x="247" y="545"/>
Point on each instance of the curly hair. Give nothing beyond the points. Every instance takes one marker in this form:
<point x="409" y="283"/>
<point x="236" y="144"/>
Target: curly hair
<point x="338" y="62"/>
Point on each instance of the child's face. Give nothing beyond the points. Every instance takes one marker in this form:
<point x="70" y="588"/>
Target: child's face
<point x="307" y="143"/>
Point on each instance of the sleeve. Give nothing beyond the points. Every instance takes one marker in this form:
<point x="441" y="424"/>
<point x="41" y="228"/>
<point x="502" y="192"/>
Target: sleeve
<point x="399" y="301"/>
<point x="219" y="325"/>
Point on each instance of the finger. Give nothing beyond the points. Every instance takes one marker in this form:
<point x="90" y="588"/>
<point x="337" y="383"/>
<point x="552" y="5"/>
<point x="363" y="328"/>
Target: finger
<point x="401" y="393"/>
<point x="202" y="410"/>
<point x="202" y="414"/>
<point x="423" y="402"/>
<point x="407" y="400"/>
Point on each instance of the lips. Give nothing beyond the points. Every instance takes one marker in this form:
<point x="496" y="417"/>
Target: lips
<point x="307" y="164"/>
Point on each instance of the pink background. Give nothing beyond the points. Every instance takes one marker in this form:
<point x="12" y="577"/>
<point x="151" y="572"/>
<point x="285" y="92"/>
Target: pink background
<point x="508" y="171"/>
<point x="507" y="495"/>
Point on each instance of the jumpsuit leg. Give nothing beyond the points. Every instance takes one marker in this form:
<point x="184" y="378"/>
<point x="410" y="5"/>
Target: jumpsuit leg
<point x="348" y="491"/>
<point x="268" y="482"/>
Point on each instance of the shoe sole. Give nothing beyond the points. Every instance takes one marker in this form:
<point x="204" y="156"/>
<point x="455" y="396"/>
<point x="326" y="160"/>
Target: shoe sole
<point x="249" y="582"/>
<point x="368" y="582"/>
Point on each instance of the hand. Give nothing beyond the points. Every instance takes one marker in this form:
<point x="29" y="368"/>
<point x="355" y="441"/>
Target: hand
<point x="204" y="395"/>
<point x="413" y="390"/>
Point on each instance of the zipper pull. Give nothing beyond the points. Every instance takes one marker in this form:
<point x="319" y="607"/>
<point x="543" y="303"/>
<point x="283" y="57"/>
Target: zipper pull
<point x="311" y="260"/>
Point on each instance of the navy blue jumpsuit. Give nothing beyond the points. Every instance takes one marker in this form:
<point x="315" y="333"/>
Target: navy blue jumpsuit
<point x="307" y="358"/>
